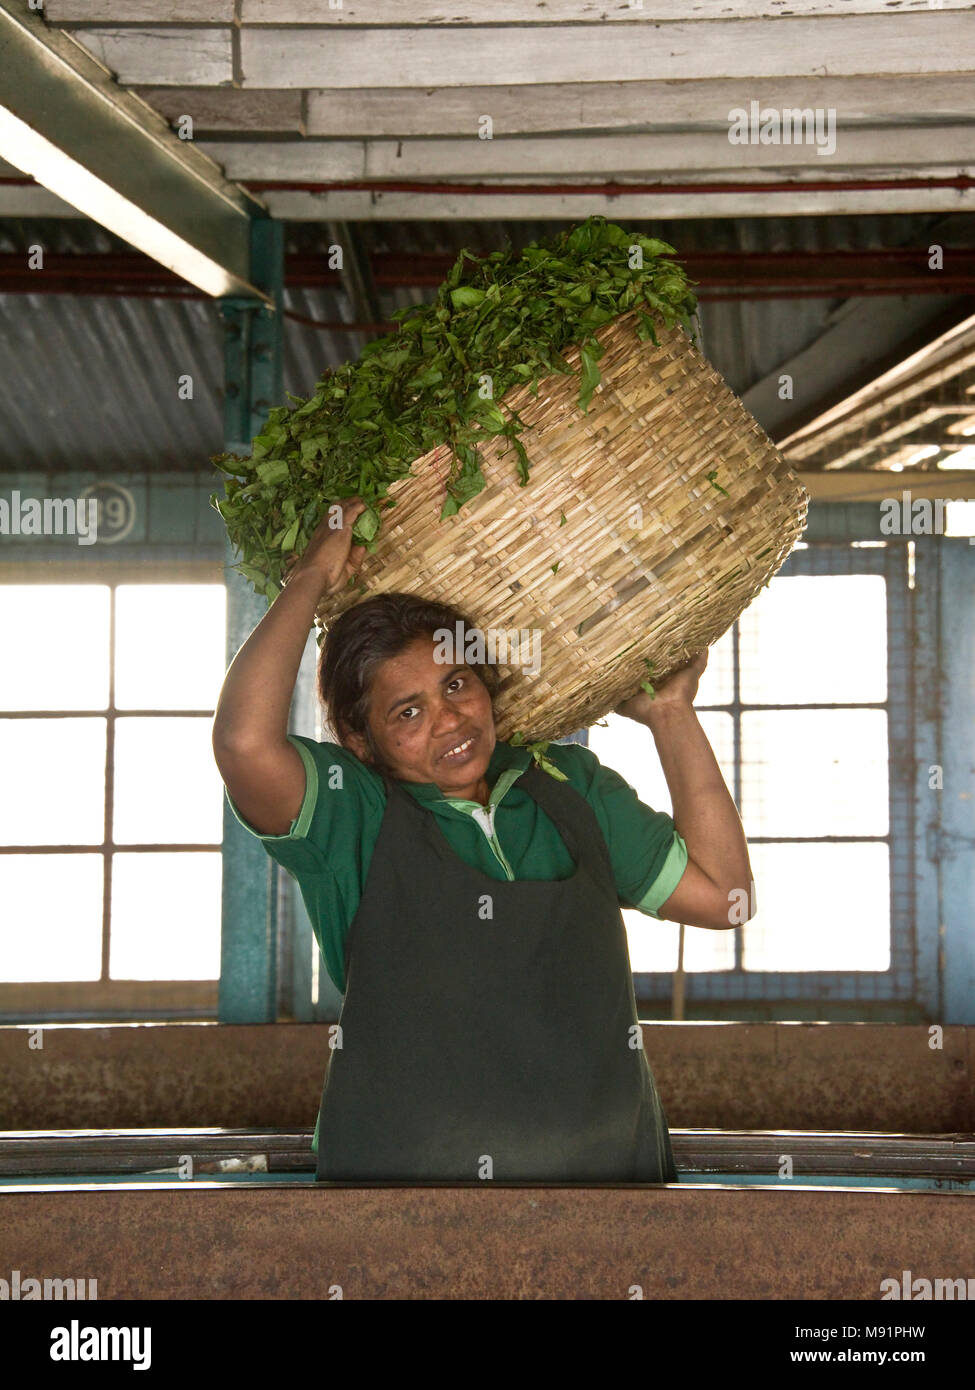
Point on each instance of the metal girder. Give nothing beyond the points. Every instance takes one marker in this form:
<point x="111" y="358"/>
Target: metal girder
<point x="865" y="339"/>
<point x="65" y="121"/>
<point x="851" y="485"/>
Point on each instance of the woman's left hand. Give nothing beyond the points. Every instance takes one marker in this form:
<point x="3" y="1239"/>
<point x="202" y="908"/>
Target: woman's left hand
<point x="679" y="688"/>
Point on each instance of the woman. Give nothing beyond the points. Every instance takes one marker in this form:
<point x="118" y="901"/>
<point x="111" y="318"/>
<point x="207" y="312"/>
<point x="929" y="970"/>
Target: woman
<point x="489" y="1026"/>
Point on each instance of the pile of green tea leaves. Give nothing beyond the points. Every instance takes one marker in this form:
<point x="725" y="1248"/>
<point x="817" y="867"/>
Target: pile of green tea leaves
<point x="497" y="321"/>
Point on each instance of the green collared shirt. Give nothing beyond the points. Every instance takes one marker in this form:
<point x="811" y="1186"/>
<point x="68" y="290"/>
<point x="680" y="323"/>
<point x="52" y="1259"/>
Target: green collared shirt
<point x="328" y="850"/>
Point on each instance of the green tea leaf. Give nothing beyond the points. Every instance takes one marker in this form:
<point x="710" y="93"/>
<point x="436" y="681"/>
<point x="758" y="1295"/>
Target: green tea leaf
<point x="466" y="297"/>
<point x="590" y="379"/>
<point x="711" y="477"/>
<point x="366" y="525"/>
<point x="271" y="473"/>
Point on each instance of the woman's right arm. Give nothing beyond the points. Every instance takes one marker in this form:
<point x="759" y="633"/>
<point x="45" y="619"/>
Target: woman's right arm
<point x="261" y="770"/>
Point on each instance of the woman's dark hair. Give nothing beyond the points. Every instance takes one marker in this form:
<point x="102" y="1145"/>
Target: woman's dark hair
<point x="362" y="638"/>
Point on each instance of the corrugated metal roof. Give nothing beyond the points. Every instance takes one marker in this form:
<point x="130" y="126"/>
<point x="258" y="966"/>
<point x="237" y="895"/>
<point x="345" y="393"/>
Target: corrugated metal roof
<point x="92" y="381"/>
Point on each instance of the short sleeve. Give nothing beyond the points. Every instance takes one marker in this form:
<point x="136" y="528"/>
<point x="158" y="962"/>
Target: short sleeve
<point x="647" y="854"/>
<point x="329" y="846"/>
<point x="666" y="881"/>
<point x="294" y="851"/>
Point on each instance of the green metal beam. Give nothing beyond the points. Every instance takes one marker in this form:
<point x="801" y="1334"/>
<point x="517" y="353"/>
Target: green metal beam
<point x="253" y="384"/>
<point x="66" y="121"/>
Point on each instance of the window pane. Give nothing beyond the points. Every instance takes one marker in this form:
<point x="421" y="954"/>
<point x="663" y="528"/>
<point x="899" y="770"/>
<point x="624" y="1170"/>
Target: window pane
<point x="960" y="518"/>
<point x="629" y="749"/>
<point x="814" y="772"/>
<point x="59" y="633"/>
<point x="717" y="685"/>
<point x="54" y="773"/>
<point x="165" y="917"/>
<point x="816" y="639"/>
<point x="52" y="916"/>
<point x="167" y="787"/>
<point x="653" y="945"/>
<point x="169" y="645"/>
<point x="820" y="907"/>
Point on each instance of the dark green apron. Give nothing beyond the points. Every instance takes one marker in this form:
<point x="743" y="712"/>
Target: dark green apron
<point x="489" y="1027"/>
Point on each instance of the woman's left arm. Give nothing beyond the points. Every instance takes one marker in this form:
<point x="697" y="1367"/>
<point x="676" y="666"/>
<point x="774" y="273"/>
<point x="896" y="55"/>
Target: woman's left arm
<point x="716" y="889"/>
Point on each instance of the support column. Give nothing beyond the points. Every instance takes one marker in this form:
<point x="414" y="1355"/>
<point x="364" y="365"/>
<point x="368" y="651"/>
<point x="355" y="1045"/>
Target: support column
<point x="955" y="837"/>
<point x="253" y="351"/>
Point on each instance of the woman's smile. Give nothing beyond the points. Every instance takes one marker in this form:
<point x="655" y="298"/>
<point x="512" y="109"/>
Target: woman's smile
<point x="460" y="752"/>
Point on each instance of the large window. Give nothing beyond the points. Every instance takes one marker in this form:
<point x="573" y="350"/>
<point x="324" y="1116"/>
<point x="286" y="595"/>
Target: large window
<point x="110" y="828"/>
<point x="796" y="702"/>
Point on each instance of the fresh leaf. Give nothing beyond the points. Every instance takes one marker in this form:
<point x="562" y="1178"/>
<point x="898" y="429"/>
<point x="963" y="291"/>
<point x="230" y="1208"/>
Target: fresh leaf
<point x="366" y="525"/>
<point x="590" y="379"/>
<point x="711" y="477"/>
<point x="466" y="297"/>
<point x="537" y="750"/>
<point x="271" y="473"/>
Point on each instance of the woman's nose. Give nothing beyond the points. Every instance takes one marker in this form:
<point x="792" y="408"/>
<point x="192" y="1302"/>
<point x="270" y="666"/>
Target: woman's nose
<point x="447" y="717"/>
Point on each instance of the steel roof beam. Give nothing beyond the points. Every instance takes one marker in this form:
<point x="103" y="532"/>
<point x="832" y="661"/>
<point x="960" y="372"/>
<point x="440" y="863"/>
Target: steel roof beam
<point x="65" y="121"/>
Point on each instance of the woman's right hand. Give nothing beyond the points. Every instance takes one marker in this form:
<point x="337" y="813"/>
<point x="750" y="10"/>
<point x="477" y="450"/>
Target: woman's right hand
<point x="330" y="555"/>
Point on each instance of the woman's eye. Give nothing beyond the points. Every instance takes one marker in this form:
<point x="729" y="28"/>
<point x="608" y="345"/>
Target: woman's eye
<point x="457" y="680"/>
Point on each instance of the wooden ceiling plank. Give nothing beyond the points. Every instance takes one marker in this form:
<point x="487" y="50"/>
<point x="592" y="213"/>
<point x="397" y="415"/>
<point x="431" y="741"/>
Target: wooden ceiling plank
<point x="608" y="157"/>
<point x="897" y="45"/>
<point x="356" y="205"/>
<point x="392" y="12"/>
<point x="176" y="57"/>
<point x="87" y="12"/>
<point x="612" y="106"/>
<point x="228" y="108"/>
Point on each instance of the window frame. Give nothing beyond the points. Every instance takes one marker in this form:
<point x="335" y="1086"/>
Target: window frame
<point x="105" y="998"/>
<point x="916" y="660"/>
<point x="903" y="991"/>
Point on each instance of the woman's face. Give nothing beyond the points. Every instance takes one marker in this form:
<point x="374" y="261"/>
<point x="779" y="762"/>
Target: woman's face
<point x="419" y="710"/>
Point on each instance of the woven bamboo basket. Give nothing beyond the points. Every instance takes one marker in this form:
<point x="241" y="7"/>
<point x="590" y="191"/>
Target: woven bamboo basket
<point x="653" y="561"/>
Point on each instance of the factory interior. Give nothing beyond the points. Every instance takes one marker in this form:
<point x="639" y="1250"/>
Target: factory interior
<point x="202" y="213"/>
